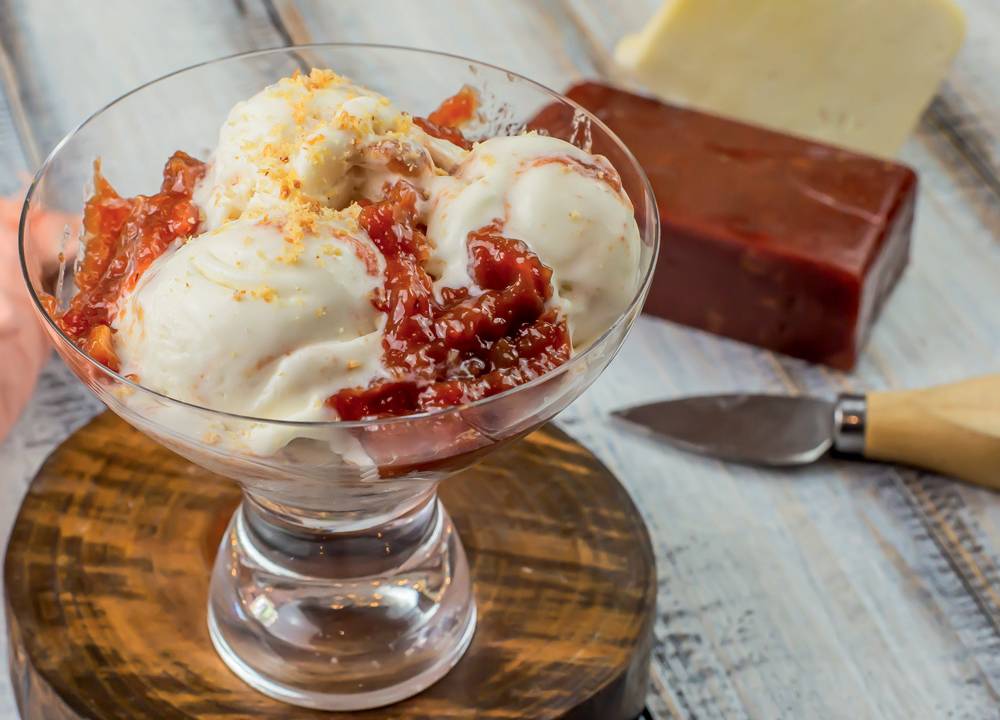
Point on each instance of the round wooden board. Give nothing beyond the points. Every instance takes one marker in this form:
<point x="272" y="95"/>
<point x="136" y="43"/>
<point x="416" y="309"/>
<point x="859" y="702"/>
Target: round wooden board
<point x="107" y="571"/>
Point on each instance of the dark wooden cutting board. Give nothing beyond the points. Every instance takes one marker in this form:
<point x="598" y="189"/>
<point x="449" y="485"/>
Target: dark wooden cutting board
<point x="107" y="575"/>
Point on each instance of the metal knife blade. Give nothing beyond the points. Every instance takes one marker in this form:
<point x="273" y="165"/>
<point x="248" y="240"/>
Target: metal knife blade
<point x="756" y="429"/>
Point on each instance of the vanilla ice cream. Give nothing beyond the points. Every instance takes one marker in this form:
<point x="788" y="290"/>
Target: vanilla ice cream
<point x="274" y="307"/>
<point x="231" y="321"/>
<point x="565" y="204"/>
<point x="319" y="137"/>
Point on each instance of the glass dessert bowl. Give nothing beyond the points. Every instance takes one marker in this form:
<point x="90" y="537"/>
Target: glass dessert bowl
<point x="340" y="583"/>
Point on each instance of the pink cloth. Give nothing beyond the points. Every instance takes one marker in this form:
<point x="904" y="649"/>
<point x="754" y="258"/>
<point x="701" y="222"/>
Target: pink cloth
<point x="24" y="345"/>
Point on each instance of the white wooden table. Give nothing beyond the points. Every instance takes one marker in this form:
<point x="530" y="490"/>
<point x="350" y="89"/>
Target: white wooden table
<point x="839" y="591"/>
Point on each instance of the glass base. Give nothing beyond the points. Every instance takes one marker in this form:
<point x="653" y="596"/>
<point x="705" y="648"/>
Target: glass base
<point x="341" y="620"/>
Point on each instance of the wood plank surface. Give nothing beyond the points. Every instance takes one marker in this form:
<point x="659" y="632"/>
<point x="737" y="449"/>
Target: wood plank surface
<point x="909" y="559"/>
<point x="842" y="590"/>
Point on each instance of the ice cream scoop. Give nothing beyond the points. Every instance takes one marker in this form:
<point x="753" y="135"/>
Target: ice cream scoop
<point x="567" y="205"/>
<point x="238" y="319"/>
<point x="317" y="136"/>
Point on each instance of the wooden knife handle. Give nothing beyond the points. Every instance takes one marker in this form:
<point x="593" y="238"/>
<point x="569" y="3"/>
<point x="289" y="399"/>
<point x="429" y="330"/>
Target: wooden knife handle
<point x="950" y="429"/>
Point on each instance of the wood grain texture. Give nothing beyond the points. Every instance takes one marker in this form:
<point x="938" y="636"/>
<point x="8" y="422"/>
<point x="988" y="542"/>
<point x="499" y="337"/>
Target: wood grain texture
<point x="534" y="38"/>
<point x="952" y="429"/>
<point x="844" y="590"/>
<point x="961" y="113"/>
<point x="877" y="549"/>
<point x="108" y="567"/>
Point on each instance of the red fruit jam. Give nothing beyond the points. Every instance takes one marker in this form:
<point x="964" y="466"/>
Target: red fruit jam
<point x="463" y="347"/>
<point x="450" y="115"/>
<point x="123" y="236"/>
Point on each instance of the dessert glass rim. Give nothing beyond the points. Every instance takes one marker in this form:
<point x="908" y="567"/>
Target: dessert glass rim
<point x="574" y="361"/>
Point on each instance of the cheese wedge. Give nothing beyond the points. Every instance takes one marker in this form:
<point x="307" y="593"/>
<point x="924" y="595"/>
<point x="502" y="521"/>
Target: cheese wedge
<point x="855" y="73"/>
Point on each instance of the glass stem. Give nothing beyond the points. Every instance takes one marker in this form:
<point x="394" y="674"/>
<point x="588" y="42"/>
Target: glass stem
<point x="339" y="618"/>
<point x="335" y="550"/>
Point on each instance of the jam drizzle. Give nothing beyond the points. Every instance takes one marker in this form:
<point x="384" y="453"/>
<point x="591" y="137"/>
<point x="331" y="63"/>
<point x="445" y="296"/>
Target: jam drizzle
<point x="464" y="347"/>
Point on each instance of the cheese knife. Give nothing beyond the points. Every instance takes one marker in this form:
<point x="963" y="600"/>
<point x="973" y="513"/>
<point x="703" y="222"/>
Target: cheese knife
<point x="950" y="429"/>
